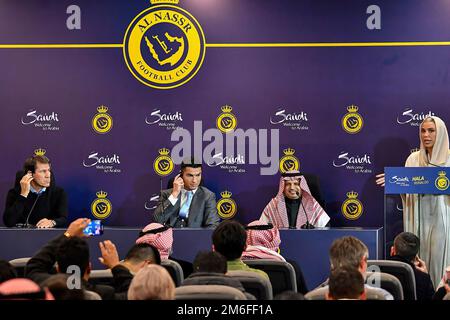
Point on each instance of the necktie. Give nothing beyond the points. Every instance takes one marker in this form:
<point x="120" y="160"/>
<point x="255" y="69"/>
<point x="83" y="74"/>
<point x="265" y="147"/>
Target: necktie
<point x="184" y="210"/>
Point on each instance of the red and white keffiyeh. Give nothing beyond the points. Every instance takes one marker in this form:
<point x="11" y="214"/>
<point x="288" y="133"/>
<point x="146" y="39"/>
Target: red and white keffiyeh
<point x="162" y="240"/>
<point x="262" y="244"/>
<point x="275" y="212"/>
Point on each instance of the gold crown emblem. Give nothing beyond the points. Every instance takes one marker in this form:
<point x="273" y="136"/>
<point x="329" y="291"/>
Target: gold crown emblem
<point x="226" y="108"/>
<point x="164" y="151"/>
<point x="39" y="152"/>
<point x="414" y="150"/>
<point x="164" y="1"/>
<point x="352" y="109"/>
<point x="289" y="151"/>
<point x="102" y="109"/>
<point x="225" y="194"/>
<point x="352" y="195"/>
<point x="101" y="194"/>
<point x="442" y="173"/>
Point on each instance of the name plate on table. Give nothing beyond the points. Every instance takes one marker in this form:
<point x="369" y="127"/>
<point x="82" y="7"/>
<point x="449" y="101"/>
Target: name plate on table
<point x="420" y="180"/>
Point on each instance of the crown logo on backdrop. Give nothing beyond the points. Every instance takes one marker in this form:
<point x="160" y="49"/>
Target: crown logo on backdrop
<point x="289" y="151"/>
<point x="225" y="194"/>
<point x="101" y="194"/>
<point x="164" y="151"/>
<point x="226" y="108"/>
<point x="102" y="109"/>
<point x="442" y="173"/>
<point x="352" y="109"/>
<point x="164" y="1"/>
<point x="352" y="195"/>
<point x="39" y="152"/>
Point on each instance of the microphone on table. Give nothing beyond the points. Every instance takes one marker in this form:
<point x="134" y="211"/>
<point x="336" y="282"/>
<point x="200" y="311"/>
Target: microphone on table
<point x="307" y="225"/>
<point x="26" y="225"/>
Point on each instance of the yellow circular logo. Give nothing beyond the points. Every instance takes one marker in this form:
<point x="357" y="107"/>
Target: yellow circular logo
<point x="352" y="123"/>
<point x="289" y="163"/>
<point x="163" y="165"/>
<point x="352" y="209"/>
<point x="101" y="208"/>
<point x="442" y="183"/>
<point x="226" y="208"/>
<point x="164" y="47"/>
<point x="226" y="122"/>
<point x="102" y="123"/>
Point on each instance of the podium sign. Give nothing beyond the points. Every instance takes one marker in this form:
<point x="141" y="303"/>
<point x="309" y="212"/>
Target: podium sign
<point x="417" y="180"/>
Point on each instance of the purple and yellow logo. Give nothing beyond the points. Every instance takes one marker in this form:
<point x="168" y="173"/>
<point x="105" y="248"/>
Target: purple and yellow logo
<point x="164" y="46"/>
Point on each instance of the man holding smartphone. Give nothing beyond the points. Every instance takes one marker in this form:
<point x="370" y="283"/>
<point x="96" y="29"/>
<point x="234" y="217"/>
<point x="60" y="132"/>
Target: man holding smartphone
<point x="187" y="204"/>
<point x="35" y="201"/>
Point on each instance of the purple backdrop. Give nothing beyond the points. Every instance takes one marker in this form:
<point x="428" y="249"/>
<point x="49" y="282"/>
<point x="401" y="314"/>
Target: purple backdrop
<point x="383" y="82"/>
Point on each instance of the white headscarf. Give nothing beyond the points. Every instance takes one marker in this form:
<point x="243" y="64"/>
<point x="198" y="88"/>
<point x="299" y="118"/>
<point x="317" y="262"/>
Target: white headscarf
<point x="440" y="152"/>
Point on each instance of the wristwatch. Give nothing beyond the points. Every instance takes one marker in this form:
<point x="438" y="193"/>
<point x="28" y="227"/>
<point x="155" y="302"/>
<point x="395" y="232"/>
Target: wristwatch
<point x="67" y="234"/>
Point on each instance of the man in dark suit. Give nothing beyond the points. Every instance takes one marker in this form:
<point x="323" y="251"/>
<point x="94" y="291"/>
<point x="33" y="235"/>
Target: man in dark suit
<point x="187" y="204"/>
<point x="35" y="200"/>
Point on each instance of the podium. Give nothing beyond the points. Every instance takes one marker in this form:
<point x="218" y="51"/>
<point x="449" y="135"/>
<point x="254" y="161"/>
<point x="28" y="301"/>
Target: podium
<point x="408" y="180"/>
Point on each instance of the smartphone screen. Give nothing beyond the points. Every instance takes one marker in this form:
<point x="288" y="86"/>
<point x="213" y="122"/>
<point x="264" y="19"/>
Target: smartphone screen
<point x="94" y="228"/>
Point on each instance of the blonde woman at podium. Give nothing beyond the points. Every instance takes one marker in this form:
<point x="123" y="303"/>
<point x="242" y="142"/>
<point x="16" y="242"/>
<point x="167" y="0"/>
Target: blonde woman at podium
<point x="428" y="216"/>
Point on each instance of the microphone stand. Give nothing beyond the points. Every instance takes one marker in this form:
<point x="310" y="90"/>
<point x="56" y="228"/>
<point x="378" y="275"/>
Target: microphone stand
<point x="27" y="225"/>
<point x="307" y="225"/>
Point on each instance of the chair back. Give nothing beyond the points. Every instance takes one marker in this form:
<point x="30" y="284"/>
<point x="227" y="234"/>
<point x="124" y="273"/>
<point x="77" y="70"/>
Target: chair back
<point x="281" y="274"/>
<point x="209" y="292"/>
<point x="254" y="283"/>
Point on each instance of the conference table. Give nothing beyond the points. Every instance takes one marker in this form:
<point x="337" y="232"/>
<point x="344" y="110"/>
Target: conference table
<point x="309" y="248"/>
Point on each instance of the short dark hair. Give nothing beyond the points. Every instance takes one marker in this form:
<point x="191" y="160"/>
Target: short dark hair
<point x="345" y="283"/>
<point x="407" y="245"/>
<point x="73" y="251"/>
<point x="289" y="295"/>
<point x="229" y="239"/>
<point x="210" y="262"/>
<point x="143" y="251"/>
<point x="7" y="271"/>
<point x="57" y="285"/>
<point x="30" y="163"/>
<point x="190" y="163"/>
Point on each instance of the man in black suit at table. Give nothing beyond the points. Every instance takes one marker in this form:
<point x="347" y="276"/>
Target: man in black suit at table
<point x="187" y="204"/>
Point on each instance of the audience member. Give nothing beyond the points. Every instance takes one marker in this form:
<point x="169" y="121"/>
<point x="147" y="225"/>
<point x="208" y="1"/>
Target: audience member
<point x="161" y="237"/>
<point x="210" y="268"/>
<point x="229" y="239"/>
<point x="23" y="289"/>
<point x="7" y="271"/>
<point x="152" y="282"/>
<point x="405" y="249"/>
<point x="346" y="284"/>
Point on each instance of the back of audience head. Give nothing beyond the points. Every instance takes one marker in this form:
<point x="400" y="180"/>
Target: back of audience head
<point x="7" y="271"/>
<point x="58" y="285"/>
<point x="346" y="283"/>
<point x="349" y="252"/>
<point x="152" y="282"/>
<point x="23" y="289"/>
<point x="162" y="240"/>
<point x="212" y="262"/>
<point x="268" y="238"/>
<point x="289" y="295"/>
<point x="406" y="245"/>
<point x="143" y="253"/>
<point x="229" y="238"/>
<point x="73" y="251"/>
